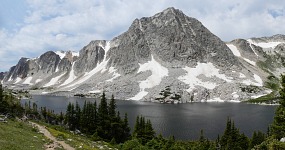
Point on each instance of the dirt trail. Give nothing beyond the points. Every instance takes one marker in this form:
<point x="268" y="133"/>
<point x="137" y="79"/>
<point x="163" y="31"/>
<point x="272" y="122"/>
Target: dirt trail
<point x="55" y="143"/>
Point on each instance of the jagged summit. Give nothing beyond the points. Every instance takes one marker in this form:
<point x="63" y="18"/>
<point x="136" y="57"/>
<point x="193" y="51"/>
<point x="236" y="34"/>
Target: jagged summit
<point x="168" y="49"/>
<point x="171" y="37"/>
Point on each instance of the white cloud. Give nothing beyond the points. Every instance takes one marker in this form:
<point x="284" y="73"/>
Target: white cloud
<point x="71" y="24"/>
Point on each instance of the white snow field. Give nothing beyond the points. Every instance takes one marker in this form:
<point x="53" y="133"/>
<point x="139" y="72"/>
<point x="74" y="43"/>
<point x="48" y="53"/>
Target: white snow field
<point x="53" y="81"/>
<point x="157" y="73"/>
<point x="71" y="76"/>
<point x="207" y="69"/>
<point x="61" y="54"/>
<point x="264" y="44"/>
<point x="236" y="52"/>
<point x="28" y="81"/>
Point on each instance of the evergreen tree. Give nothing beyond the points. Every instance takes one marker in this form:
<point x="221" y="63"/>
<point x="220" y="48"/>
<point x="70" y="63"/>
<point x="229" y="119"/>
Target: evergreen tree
<point x="61" y="118"/>
<point x="77" y="116"/>
<point x="257" y="138"/>
<point x="149" y="131"/>
<point x="70" y="116"/>
<point x="227" y="133"/>
<point x="278" y="125"/>
<point x="84" y="119"/>
<point x="94" y="117"/>
<point x="3" y="102"/>
<point x="1" y="93"/>
<point x="112" y="109"/>
<point x="232" y="139"/>
<point x="103" y="119"/>
<point x="143" y="130"/>
<point x="126" y="129"/>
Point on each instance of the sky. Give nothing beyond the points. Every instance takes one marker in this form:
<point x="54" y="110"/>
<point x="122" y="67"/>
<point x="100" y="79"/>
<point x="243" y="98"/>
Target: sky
<point x="28" y="28"/>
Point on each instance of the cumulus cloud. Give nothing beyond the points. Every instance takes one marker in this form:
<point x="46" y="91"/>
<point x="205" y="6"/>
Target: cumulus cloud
<point x="71" y="24"/>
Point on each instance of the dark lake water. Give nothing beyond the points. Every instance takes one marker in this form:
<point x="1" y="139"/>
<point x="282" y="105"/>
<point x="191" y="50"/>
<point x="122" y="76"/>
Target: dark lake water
<point x="184" y="121"/>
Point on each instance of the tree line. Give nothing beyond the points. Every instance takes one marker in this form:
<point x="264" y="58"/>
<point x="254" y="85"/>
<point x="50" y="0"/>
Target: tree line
<point x="103" y="122"/>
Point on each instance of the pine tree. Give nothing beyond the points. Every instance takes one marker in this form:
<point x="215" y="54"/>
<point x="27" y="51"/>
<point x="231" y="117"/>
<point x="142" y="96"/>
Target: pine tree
<point x="126" y="129"/>
<point x="257" y="138"/>
<point x="278" y="126"/>
<point x="149" y="131"/>
<point x="94" y="117"/>
<point x="1" y="93"/>
<point x="143" y="130"/>
<point x="232" y="139"/>
<point x="103" y="119"/>
<point x="112" y="109"/>
<point x="3" y="103"/>
<point x="137" y="127"/>
<point x="70" y="116"/>
<point x="84" y="119"/>
<point x="77" y="116"/>
<point x="225" y="137"/>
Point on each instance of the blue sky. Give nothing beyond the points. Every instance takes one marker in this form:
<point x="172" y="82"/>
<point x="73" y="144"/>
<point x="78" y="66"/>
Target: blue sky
<point x="29" y="28"/>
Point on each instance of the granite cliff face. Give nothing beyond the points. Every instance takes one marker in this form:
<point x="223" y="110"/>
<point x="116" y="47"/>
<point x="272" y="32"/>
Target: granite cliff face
<point x="166" y="53"/>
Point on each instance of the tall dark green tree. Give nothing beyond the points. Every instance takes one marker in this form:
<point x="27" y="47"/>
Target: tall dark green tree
<point x="104" y="124"/>
<point x="257" y="138"/>
<point x="143" y="130"/>
<point x="77" y="116"/>
<point x="84" y="119"/>
<point x="1" y="92"/>
<point x="112" y="109"/>
<point x="126" y="129"/>
<point x="70" y="116"/>
<point x="4" y="107"/>
<point x="232" y="139"/>
<point x="278" y="125"/>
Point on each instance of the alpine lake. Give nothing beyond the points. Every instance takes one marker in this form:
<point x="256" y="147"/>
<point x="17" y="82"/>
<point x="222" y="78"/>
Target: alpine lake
<point x="183" y="121"/>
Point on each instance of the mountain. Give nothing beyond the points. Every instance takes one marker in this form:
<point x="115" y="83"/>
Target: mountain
<point x="166" y="57"/>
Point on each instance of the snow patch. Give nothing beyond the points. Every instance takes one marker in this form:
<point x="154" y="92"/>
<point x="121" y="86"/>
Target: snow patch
<point x="216" y="99"/>
<point x="249" y="61"/>
<point x="61" y="54"/>
<point x="53" y="81"/>
<point x="234" y="50"/>
<point x="18" y="80"/>
<point x="219" y="100"/>
<point x="241" y="75"/>
<point x="258" y="79"/>
<point x="94" y="91"/>
<point x="115" y="74"/>
<point x="28" y="81"/>
<point x="257" y="96"/>
<point x="157" y="73"/>
<point x="207" y="69"/>
<point x="75" y="54"/>
<point x="71" y="76"/>
<point x="235" y="95"/>
<point x="250" y="44"/>
<point x="267" y="44"/>
<point x="38" y="80"/>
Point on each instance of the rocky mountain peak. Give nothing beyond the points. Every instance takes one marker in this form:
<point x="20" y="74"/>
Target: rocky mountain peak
<point x="173" y="38"/>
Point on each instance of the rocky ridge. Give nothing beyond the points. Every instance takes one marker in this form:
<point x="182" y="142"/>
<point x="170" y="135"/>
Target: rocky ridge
<point x="167" y="57"/>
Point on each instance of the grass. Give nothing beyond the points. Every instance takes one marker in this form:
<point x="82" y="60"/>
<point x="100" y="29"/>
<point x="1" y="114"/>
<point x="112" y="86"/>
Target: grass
<point x="75" y="140"/>
<point x="16" y="135"/>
